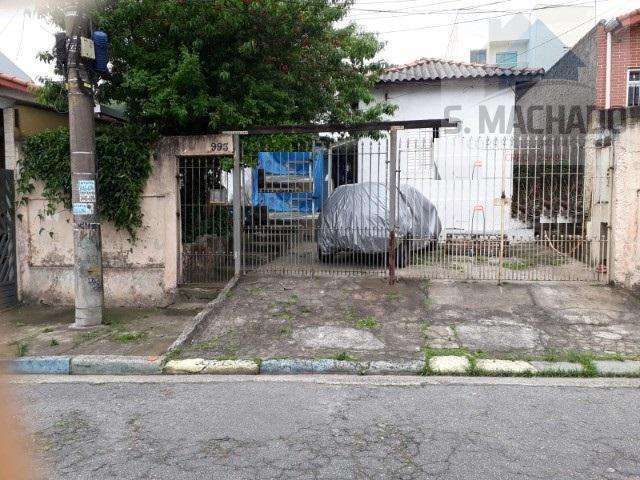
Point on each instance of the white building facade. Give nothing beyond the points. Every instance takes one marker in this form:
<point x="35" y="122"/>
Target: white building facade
<point x="463" y="171"/>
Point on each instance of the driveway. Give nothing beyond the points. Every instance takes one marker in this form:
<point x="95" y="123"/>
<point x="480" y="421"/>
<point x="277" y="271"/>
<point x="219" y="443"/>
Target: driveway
<point x="366" y="319"/>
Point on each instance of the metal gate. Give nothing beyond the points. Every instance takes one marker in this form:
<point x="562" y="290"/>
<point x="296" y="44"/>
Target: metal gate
<point x="507" y="208"/>
<point x="510" y="209"/>
<point x="8" y="283"/>
<point x="206" y="221"/>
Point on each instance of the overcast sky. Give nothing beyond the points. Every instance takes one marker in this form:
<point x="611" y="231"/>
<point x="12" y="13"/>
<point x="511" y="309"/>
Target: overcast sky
<point x="410" y="28"/>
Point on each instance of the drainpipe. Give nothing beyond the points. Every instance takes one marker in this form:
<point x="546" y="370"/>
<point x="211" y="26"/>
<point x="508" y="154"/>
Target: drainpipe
<point x="609" y="27"/>
<point x="611" y="261"/>
<point x="607" y="93"/>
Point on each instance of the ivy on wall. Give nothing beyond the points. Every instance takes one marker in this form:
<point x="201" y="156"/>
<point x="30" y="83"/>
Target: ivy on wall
<point x="123" y="162"/>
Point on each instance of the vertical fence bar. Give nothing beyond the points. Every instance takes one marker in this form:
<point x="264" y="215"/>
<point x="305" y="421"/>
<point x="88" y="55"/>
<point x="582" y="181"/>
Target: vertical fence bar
<point x="393" y="167"/>
<point x="503" y="201"/>
<point x="237" y="208"/>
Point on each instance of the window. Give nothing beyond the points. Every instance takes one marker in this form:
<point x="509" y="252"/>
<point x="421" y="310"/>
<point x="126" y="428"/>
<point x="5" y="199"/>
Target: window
<point x="507" y="59"/>
<point x="633" y="88"/>
<point x="478" y="56"/>
<point x="2" y="162"/>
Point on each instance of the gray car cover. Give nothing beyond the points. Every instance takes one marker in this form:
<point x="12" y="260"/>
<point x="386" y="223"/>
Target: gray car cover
<point x="355" y="219"/>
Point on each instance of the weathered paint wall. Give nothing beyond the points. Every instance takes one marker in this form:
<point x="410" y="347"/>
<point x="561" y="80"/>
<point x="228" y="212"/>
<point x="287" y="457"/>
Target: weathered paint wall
<point x="141" y="274"/>
<point x="31" y="120"/>
<point x="614" y="194"/>
<point x="625" y="236"/>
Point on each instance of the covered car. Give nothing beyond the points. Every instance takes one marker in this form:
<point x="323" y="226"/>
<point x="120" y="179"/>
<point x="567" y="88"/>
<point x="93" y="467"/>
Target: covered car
<point x="355" y="219"/>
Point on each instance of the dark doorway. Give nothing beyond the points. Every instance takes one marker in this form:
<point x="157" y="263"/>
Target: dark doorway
<point x="8" y="283"/>
<point x="344" y="164"/>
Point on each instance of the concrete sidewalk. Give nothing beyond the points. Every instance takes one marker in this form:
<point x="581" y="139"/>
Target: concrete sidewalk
<point x="365" y="319"/>
<point x="43" y="330"/>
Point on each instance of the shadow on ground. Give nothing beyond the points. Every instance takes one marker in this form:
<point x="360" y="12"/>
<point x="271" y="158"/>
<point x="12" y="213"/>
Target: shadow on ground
<point x="366" y="319"/>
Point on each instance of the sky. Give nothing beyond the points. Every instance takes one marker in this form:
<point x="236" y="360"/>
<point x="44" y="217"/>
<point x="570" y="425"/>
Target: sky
<point x="410" y="29"/>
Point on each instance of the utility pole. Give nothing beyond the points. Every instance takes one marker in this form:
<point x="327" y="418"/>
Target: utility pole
<point x="89" y="291"/>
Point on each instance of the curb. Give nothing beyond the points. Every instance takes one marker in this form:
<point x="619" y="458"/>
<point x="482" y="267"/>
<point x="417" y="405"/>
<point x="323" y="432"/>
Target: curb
<point x="438" y="365"/>
<point x="211" y="367"/>
<point x="298" y="366"/>
<point x="115" y="365"/>
<point x="39" y="365"/>
<point x="302" y="366"/>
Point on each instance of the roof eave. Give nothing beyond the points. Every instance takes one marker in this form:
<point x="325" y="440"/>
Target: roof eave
<point x="452" y="79"/>
<point x="623" y="21"/>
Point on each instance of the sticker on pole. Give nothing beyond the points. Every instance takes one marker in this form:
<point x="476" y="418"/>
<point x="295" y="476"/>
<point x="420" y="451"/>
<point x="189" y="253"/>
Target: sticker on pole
<point x="87" y="191"/>
<point x="83" y="208"/>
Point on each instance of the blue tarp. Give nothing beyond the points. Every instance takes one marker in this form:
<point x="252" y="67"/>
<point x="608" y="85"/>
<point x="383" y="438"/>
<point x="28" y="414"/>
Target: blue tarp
<point x="291" y="163"/>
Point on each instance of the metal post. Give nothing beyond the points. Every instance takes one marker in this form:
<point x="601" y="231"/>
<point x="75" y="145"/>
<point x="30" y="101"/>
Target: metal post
<point x="503" y="200"/>
<point x="611" y="173"/>
<point x="237" y="207"/>
<point x="393" y="172"/>
<point x="330" y="185"/>
<point x="89" y="293"/>
<point x="503" y="203"/>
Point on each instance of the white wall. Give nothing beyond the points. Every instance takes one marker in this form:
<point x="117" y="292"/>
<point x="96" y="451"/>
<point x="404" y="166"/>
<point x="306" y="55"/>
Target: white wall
<point x="416" y="101"/>
<point x="461" y="173"/>
<point x="537" y="46"/>
<point x="520" y="47"/>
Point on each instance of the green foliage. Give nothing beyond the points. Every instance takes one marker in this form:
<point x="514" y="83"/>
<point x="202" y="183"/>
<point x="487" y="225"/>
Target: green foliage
<point x="194" y="66"/>
<point x="124" y="165"/>
<point x="53" y="94"/>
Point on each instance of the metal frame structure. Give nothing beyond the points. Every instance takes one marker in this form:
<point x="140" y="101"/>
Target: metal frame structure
<point x="511" y="208"/>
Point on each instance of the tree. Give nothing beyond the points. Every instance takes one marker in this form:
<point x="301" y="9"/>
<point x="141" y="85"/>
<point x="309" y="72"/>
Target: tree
<point x="192" y="66"/>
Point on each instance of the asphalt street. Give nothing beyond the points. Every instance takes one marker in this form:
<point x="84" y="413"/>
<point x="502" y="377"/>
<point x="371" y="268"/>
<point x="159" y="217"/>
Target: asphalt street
<point x="332" y="428"/>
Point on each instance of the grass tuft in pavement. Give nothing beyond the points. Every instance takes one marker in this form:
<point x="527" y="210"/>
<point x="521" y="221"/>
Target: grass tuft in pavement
<point x="22" y="349"/>
<point x="344" y="356"/>
<point x="367" y="323"/>
<point x="128" y="337"/>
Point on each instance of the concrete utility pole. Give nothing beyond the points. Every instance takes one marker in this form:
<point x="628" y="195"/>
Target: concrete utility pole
<point x="89" y="293"/>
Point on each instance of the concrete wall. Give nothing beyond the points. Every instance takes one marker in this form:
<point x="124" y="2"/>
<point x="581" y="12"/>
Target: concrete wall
<point x="570" y="85"/>
<point x="31" y="120"/>
<point x="613" y="167"/>
<point x="140" y="274"/>
<point x="625" y="235"/>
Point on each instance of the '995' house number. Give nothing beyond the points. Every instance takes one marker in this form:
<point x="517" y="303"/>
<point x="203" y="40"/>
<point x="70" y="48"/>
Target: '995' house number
<point x="219" y="146"/>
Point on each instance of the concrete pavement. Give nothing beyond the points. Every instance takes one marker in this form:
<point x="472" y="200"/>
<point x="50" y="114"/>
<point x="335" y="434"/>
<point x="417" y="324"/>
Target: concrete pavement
<point x="332" y="427"/>
<point x="367" y="320"/>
